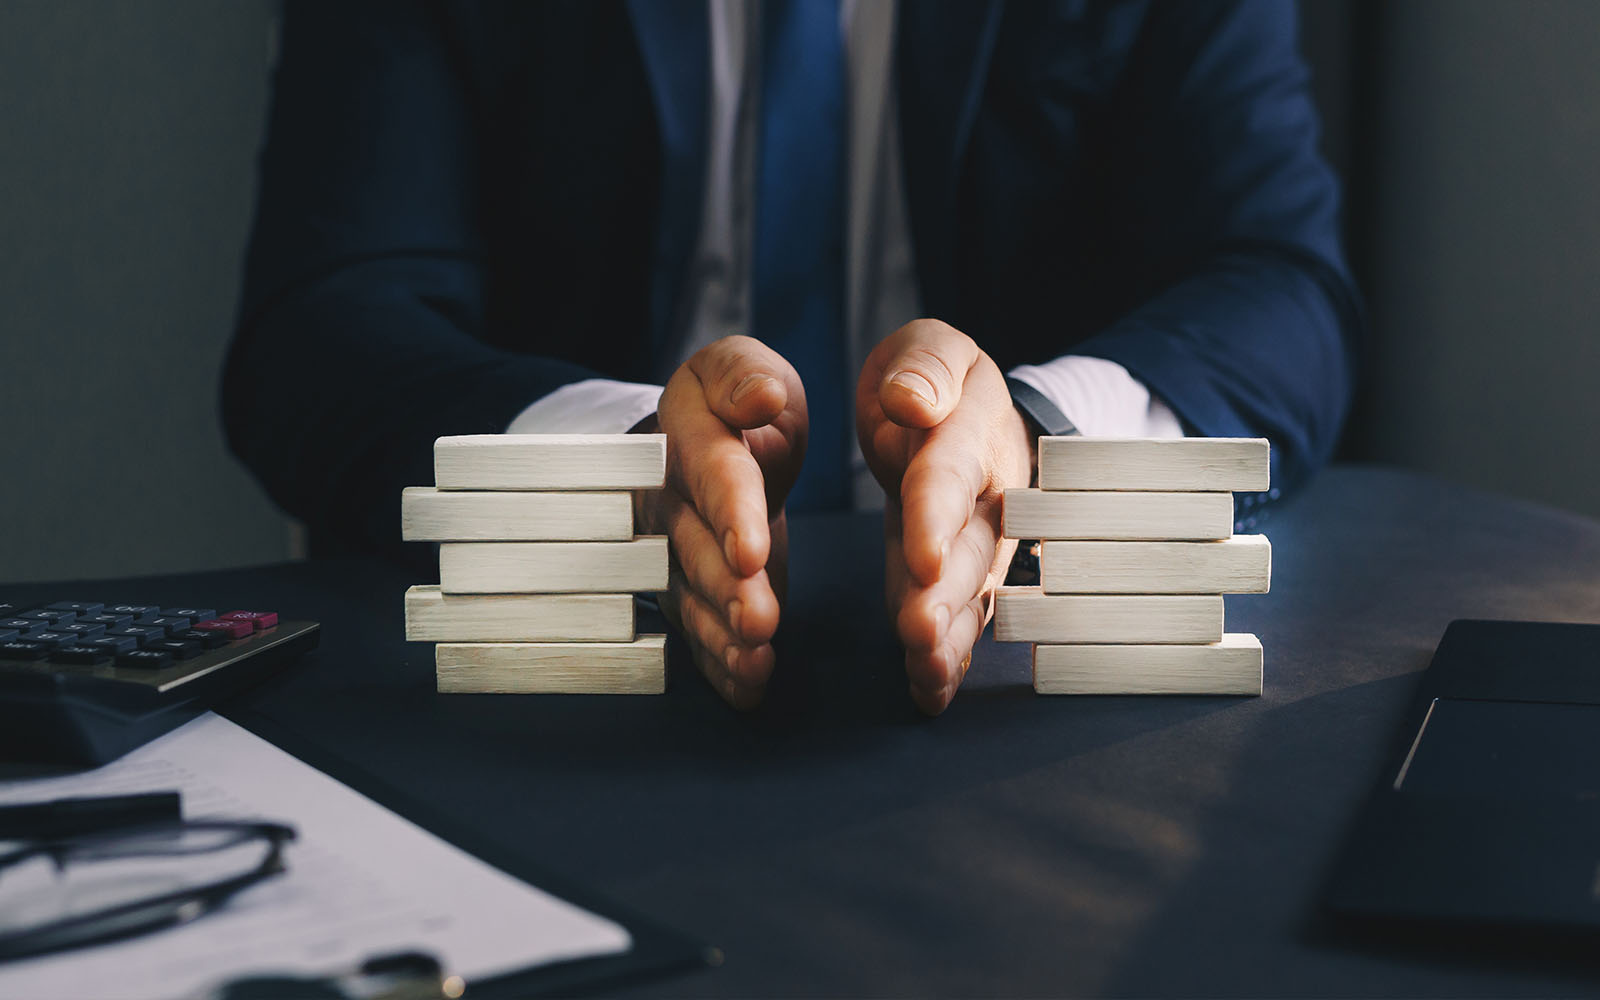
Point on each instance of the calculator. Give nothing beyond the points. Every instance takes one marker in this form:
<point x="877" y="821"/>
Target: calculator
<point x="83" y="682"/>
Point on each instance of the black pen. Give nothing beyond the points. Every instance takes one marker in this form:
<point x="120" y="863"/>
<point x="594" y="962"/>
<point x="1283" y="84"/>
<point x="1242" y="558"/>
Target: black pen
<point x="71" y="817"/>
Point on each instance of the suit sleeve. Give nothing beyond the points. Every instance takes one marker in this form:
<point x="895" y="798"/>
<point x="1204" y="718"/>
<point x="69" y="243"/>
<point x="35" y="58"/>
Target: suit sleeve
<point x="1227" y="199"/>
<point x="359" y="336"/>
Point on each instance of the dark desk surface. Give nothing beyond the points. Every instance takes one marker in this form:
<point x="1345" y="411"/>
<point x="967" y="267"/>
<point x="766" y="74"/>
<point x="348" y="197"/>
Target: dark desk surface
<point x="836" y="843"/>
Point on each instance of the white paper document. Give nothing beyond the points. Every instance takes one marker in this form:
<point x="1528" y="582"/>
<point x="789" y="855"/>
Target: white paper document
<point x="361" y="881"/>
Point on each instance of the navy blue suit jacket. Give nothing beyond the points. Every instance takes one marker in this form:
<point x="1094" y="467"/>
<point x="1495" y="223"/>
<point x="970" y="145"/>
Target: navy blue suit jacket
<point x="464" y="206"/>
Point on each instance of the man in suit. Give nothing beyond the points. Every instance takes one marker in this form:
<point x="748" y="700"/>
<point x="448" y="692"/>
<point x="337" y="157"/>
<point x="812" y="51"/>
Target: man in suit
<point x="559" y="216"/>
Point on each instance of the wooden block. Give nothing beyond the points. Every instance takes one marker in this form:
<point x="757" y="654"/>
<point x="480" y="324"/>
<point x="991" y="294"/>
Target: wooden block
<point x="1181" y="464"/>
<point x="433" y="616"/>
<point x="1232" y="666"/>
<point x="638" y="667"/>
<point x="554" y="567"/>
<point x="432" y="515"/>
<point x="1117" y="515"/>
<point x="1239" y="565"/>
<point x="1028" y="614"/>
<point x="550" y="462"/>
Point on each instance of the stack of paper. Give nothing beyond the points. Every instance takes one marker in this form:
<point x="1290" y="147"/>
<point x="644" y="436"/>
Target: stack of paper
<point x="1136" y="550"/>
<point x="538" y="563"/>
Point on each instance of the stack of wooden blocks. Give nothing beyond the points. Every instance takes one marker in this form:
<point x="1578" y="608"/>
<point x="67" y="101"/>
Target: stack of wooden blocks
<point x="539" y="563"/>
<point x="1136" y="550"/>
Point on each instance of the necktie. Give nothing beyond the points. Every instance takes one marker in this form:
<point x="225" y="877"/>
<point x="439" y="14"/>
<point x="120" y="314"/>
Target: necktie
<point x="797" y="274"/>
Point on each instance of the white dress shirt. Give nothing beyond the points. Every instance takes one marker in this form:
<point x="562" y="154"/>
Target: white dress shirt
<point x="1097" y="395"/>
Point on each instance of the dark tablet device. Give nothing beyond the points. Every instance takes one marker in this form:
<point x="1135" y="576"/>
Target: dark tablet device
<point x="1487" y="814"/>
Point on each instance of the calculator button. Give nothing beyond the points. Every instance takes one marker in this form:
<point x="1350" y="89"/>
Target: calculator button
<point x="26" y="626"/>
<point x="22" y="649"/>
<point x="148" y="659"/>
<point x="144" y="633"/>
<point x="53" y="617"/>
<point x="260" y="619"/>
<point x="83" y="630"/>
<point x="207" y="638"/>
<point x="172" y="625"/>
<point x="54" y="639"/>
<point x="117" y="644"/>
<point x="231" y="628"/>
<point x="109" y="621"/>
<point x="80" y="654"/>
<point x="193" y="614"/>
<point x="181" y="649"/>
<point x="131" y="609"/>
<point x="80" y="608"/>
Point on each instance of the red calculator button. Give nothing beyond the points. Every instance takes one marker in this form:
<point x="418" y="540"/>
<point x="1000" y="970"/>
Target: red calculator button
<point x="260" y="619"/>
<point x="231" y="629"/>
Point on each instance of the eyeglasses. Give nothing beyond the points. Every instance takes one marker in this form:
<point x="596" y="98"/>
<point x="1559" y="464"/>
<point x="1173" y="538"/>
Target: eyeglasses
<point x="74" y="891"/>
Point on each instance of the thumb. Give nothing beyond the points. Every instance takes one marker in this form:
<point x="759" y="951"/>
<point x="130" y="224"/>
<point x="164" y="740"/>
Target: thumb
<point x="747" y="384"/>
<point x="925" y="364"/>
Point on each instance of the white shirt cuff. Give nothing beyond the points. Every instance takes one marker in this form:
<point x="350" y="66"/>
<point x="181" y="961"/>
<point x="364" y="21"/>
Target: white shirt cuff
<point x="1101" y="398"/>
<point x="593" y="406"/>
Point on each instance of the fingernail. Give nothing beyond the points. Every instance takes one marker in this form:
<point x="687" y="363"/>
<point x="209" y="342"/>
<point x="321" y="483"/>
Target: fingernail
<point x="730" y="656"/>
<point x="735" y="612"/>
<point x="917" y="386"/>
<point x="944" y="554"/>
<point x="746" y="386"/>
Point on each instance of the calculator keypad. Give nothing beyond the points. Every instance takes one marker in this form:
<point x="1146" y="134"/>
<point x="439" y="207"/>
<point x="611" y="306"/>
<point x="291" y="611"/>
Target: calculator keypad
<point x="78" y="607"/>
<point x="233" y="629"/>
<point x="145" y="641"/>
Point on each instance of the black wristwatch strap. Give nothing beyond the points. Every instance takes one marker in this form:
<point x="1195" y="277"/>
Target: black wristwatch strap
<point x="1038" y="408"/>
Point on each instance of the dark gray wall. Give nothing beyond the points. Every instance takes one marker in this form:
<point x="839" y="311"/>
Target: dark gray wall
<point x="1485" y="280"/>
<point x="129" y="133"/>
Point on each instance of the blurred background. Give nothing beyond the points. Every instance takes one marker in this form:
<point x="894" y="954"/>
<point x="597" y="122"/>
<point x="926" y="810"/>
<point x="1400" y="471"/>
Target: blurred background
<point x="1468" y="132"/>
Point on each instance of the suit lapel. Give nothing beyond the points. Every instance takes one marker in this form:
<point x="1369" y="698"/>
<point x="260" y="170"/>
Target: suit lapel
<point x="942" y="54"/>
<point x="674" y="40"/>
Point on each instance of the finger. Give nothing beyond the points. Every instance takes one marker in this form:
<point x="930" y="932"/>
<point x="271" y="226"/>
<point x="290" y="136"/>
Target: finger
<point x="748" y="605"/>
<point x="779" y="448"/>
<point x="896" y="579"/>
<point x="708" y="463"/>
<point x="748" y="666"/>
<point x="935" y="675"/>
<point x="923" y="367"/>
<point x="741" y="697"/>
<point x="747" y="384"/>
<point x="927" y="612"/>
<point x="939" y="490"/>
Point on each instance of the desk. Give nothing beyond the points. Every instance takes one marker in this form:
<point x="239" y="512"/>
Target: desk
<point x="834" y="842"/>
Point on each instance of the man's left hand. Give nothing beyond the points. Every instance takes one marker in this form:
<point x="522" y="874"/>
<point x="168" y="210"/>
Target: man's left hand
<point x="940" y="433"/>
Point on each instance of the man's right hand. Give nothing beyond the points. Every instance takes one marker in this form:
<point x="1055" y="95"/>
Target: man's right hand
<point x="735" y="420"/>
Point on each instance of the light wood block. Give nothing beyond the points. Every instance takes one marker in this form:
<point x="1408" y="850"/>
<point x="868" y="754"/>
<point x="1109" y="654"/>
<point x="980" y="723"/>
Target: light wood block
<point x="550" y="462"/>
<point x="638" y="667"/>
<point x="433" y="616"/>
<point x="1239" y="565"/>
<point x="554" y="567"/>
<point x="1232" y="666"/>
<point x="1028" y="614"/>
<point x="1117" y="515"/>
<point x="1166" y="464"/>
<point x="432" y="515"/>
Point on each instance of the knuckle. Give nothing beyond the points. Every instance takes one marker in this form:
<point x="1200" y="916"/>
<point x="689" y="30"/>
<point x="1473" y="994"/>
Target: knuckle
<point x="928" y="362"/>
